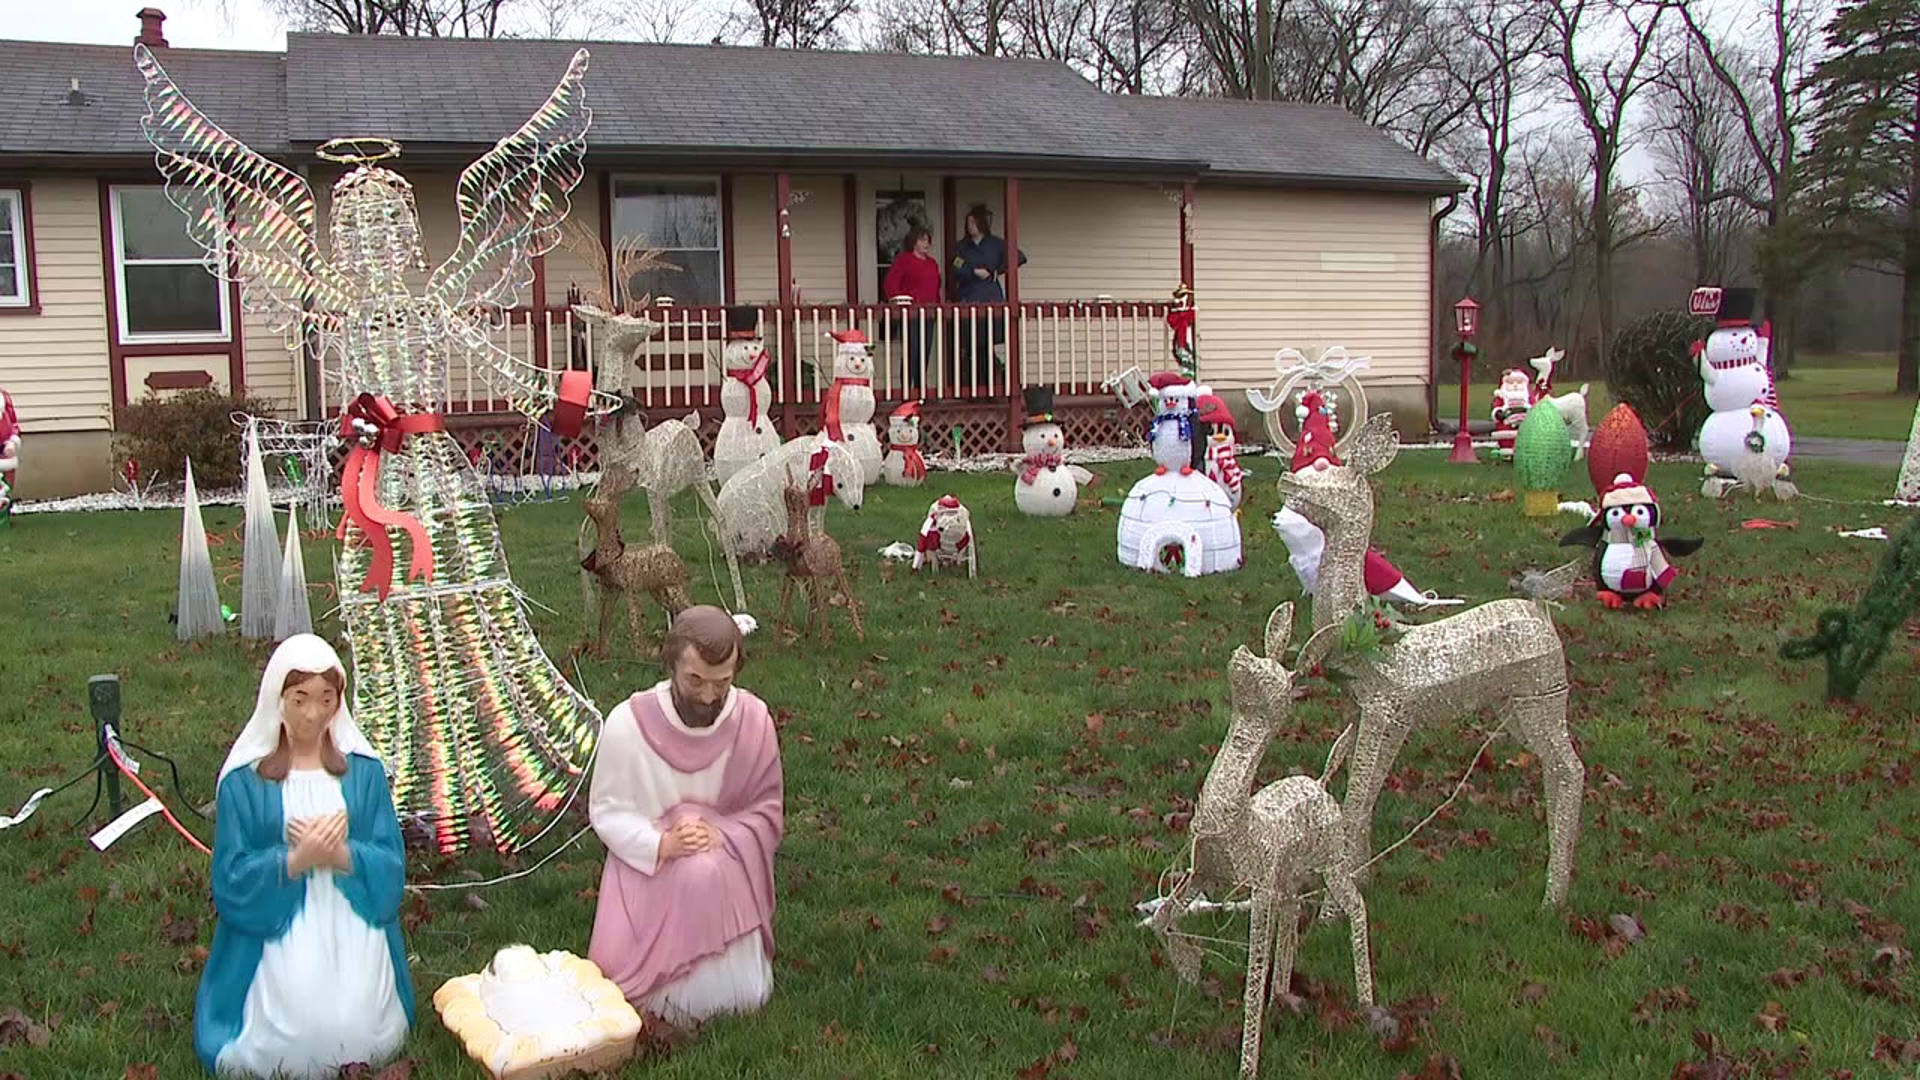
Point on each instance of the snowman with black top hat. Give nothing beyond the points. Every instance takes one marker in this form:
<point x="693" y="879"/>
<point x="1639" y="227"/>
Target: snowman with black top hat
<point x="1046" y="485"/>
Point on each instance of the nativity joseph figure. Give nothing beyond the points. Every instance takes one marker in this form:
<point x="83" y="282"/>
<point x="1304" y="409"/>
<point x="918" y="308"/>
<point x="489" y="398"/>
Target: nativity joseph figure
<point x="308" y="968"/>
<point x="687" y="796"/>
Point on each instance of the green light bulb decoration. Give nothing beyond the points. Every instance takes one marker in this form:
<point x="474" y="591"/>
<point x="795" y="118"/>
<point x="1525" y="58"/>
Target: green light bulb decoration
<point x="1542" y="450"/>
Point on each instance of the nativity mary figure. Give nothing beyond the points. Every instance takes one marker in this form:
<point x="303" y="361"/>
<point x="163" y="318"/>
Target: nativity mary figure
<point x="308" y="969"/>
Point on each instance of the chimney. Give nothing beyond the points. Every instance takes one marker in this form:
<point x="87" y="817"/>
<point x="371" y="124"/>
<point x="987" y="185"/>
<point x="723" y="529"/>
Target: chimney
<point x="150" y="35"/>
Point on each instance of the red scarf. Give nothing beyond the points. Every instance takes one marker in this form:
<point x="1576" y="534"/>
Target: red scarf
<point x="833" y="406"/>
<point x="360" y="489"/>
<point x="1031" y="465"/>
<point x="753" y="377"/>
<point x="912" y="465"/>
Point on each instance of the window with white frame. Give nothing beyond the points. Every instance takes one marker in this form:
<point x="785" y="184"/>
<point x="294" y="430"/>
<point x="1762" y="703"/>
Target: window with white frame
<point x="680" y="218"/>
<point x="14" y="290"/>
<point x="164" y="289"/>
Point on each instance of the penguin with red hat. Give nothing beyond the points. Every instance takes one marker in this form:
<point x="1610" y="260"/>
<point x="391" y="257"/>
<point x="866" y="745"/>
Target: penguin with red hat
<point x="1223" y="463"/>
<point x="904" y="467"/>
<point x="1177" y="437"/>
<point x="1306" y="544"/>
<point x="1630" y="562"/>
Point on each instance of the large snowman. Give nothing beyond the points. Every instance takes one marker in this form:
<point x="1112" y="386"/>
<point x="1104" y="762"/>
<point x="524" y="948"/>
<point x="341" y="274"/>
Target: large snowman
<point x="1745" y="440"/>
<point x="850" y="404"/>
<point x="747" y="432"/>
<point x="1047" y="486"/>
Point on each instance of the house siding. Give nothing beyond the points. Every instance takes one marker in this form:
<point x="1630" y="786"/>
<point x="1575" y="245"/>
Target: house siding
<point x="54" y="364"/>
<point x="1277" y="269"/>
<point x="818" y="225"/>
<point x="1087" y="238"/>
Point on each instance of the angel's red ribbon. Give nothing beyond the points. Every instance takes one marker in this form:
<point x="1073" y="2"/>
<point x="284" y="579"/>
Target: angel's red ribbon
<point x="753" y="377"/>
<point x="360" y="488"/>
<point x="833" y="406"/>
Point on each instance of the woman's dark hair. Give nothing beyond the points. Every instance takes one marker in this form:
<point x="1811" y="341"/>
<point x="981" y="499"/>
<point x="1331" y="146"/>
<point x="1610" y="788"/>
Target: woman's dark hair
<point x="276" y="765"/>
<point x="913" y="237"/>
<point x="980" y="214"/>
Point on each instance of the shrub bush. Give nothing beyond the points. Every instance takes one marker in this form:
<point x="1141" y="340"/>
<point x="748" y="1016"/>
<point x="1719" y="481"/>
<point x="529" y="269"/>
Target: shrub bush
<point x="1651" y="367"/>
<point x="162" y="432"/>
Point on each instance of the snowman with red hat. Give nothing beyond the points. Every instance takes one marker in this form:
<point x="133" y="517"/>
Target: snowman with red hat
<point x="849" y="405"/>
<point x="904" y="465"/>
<point x="1306" y="544"/>
<point x="1630" y="562"/>
<point x="746" y="433"/>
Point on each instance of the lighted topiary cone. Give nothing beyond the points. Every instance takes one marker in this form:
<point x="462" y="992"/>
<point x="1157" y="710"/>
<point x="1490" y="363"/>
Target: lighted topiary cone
<point x="1541" y="453"/>
<point x="1619" y="445"/>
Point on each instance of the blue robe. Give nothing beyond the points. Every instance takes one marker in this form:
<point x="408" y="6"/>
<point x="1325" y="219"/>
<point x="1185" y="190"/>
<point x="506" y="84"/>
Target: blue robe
<point x="256" y="903"/>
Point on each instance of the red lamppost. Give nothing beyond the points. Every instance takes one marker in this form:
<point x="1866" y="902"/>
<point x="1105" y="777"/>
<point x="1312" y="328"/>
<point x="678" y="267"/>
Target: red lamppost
<point x="1466" y="321"/>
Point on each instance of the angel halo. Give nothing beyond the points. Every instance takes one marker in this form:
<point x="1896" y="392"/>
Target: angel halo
<point x="486" y="738"/>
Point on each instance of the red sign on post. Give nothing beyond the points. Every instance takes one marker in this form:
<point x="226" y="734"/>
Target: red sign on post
<point x="1704" y="302"/>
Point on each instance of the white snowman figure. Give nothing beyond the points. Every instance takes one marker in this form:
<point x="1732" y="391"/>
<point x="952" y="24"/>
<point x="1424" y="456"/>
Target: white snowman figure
<point x="1047" y="486"/>
<point x="747" y="433"/>
<point x="1174" y="442"/>
<point x="1745" y="439"/>
<point x="904" y="466"/>
<point x="850" y="404"/>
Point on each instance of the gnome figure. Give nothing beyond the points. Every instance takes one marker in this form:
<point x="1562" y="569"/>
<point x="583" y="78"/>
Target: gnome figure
<point x="1223" y="464"/>
<point x="1630" y="562"/>
<point x="850" y="403"/>
<point x="1306" y="543"/>
<point x="946" y="536"/>
<point x="1047" y="485"/>
<point x="904" y="467"/>
<point x="747" y="432"/>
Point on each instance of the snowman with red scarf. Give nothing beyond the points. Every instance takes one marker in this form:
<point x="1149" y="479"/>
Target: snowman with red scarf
<point x="746" y="432"/>
<point x="1306" y="544"/>
<point x="1745" y="439"/>
<point x="904" y="465"/>
<point x="9" y="450"/>
<point x="848" y="415"/>
<point x="1047" y="485"/>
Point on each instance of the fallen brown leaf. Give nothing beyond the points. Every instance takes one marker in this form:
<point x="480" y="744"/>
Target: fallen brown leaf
<point x="1771" y="1017"/>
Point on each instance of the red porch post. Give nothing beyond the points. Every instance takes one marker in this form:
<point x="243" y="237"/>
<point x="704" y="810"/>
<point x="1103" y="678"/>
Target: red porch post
<point x="789" y="327"/>
<point x="850" y="225"/>
<point x="1014" y="378"/>
<point x="1186" y="234"/>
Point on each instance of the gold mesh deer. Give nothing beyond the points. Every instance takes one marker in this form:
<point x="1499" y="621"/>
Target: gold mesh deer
<point x="1270" y="843"/>
<point x="1504" y="654"/>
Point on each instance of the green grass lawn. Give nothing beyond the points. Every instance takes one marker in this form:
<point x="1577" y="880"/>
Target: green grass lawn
<point x="980" y="793"/>
<point x="1848" y="397"/>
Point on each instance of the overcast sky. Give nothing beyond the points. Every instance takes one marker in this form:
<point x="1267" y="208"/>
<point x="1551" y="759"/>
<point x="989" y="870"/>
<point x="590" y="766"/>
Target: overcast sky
<point x="191" y="24"/>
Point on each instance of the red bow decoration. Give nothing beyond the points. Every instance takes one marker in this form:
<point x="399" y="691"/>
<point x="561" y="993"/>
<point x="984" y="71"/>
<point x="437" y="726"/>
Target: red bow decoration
<point x="833" y="406"/>
<point x="1031" y="465"/>
<point x="360" y="487"/>
<point x="753" y="377"/>
<point x="1181" y="323"/>
<point x="822" y="480"/>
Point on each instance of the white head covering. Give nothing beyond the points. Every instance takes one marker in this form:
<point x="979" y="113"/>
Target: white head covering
<point x="301" y="652"/>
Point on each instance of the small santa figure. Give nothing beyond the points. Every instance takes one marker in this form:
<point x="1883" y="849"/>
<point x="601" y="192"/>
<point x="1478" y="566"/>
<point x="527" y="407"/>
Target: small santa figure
<point x="904" y="465"/>
<point x="946" y="536"/>
<point x="1223" y="463"/>
<point x="849" y="405"/>
<point x="1177" y="439"/>
<point x="1306" y="543"/>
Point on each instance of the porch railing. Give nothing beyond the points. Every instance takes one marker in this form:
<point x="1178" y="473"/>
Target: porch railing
<point x="1072" y="346"/>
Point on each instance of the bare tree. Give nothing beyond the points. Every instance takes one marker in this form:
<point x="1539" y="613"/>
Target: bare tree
<point x="1702" y="156"/>
<point x="795" y="24"/>
<point x="689" y="21"/>
<point x="1135" y="46"/>
<point x="1604" y="49"/>
<point x="1765" y="93"/>
<point x="409" y="18"/>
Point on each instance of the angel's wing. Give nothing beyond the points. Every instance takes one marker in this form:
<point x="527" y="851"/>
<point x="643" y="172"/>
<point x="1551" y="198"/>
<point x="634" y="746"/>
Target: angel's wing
<point x="255" y="218"/>
<point x="513" y="199"/>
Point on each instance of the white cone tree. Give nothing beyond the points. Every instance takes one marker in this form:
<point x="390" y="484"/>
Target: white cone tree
<point x="197" y="610"/>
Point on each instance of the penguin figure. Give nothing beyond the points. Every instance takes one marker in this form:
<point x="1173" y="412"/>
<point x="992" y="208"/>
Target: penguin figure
<point x="1630" y="564"/>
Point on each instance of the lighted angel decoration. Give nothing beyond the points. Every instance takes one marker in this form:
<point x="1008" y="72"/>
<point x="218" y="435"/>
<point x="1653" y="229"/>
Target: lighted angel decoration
<point x="484" y="735"/>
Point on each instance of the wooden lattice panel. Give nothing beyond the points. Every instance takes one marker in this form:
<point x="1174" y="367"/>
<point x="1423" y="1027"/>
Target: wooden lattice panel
<point x="1089" y="426"/>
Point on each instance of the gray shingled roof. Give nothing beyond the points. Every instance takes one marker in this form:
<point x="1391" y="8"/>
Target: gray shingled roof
<point x="1304" y="143"/>
<point x="716" y="104"/>
<point x="244" y="92"/>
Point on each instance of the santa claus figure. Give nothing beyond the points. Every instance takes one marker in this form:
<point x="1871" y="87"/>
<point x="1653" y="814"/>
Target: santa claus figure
<point x="946" y="536"/>
<point x="904" y="466"/>
<point x="9" y="449"/>
<point x="1223" y="464"/>
<point x="849" y="402"/>
<point x="1306" y="543"/>
<point x="1519" y="391"/>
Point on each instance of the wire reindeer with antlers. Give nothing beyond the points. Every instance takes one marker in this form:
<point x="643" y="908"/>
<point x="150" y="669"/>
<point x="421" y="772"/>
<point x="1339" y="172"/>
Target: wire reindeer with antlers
<point x="1269" y="842"/>
<point x="1505" y="654"/>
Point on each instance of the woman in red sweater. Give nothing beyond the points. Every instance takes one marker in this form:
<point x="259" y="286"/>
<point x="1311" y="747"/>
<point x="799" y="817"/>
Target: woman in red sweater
<point x="915" y="276"/>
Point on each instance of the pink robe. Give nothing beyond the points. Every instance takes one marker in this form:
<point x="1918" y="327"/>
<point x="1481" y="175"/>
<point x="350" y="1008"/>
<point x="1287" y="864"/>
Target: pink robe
<point x="693" y="936"/>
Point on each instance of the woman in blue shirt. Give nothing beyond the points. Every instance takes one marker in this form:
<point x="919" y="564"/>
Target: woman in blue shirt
<point x="978" y="261"/>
